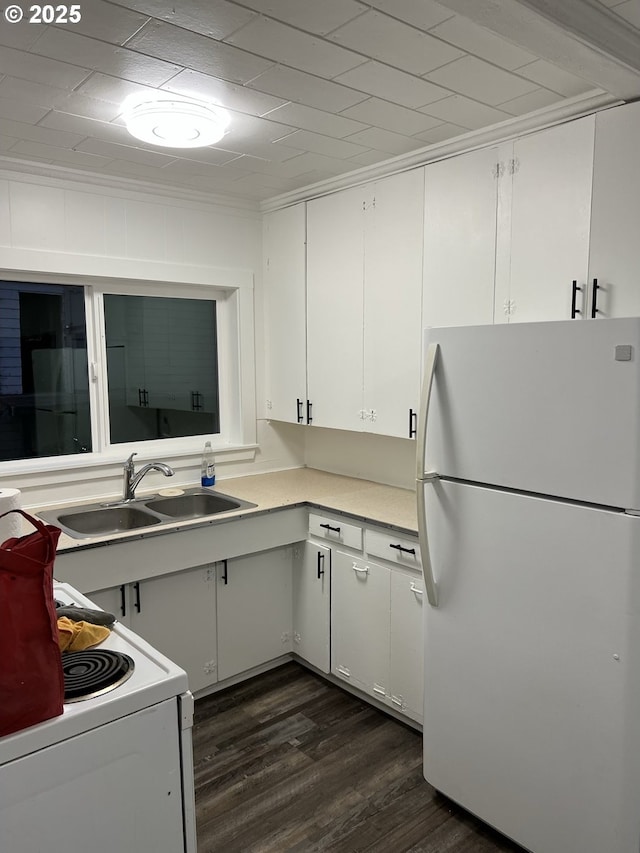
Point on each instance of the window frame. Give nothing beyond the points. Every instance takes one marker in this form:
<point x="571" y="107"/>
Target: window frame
<point x="233" y="293"/>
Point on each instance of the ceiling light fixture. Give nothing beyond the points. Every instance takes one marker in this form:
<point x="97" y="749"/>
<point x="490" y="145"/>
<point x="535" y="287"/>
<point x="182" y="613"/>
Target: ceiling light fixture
<point x="175" y="122"/>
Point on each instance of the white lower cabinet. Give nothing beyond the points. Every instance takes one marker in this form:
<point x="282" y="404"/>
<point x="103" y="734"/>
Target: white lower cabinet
<point x="406" y="646"/>
<point x="176" y="614"/>
<point x="377" y="632"/>
<point x="360" y="623"/>
<point x="254" y="610"/>
<point x="311" y="604"/>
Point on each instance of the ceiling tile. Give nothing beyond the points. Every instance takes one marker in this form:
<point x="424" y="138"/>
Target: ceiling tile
<point x="193" y="167"/>
<point x="314" y="162"/>
<point x="630" y="11"/>
<point x="192" y="50"/>
<point x="64" y="156"/>
<point x="44" y="98"/>
<point x="59" y="44"/>
<point x="135" y="171"/>
<point x="106" y="22"/>
<point x="465" y="112"/>
<point x="39" y="69"/>
<point x="480" y="42"/>
<point x="390" y="116"/>
<point x="535" y="100"/>
<point x="423" y="14"/>
<point x="367" y="159"/>
<point x="308" y="118"/>
<point x="305" y="140"/>
<point x="7" y="142"/>
<point x="270" y="152"/>
<point x="19" y="110"/>
<point x="554" y="78"/>
<point x="194" y="84"/>
<point x="309" y="15"/>
<point x="215" y="18"/>
<point x="384" y="140"/>
<point x="480" y="80"/>
<point x="392" y="85"/>
<point x="395" y="43"/>
<point x="20" y="36"/>
<point x="113" y="151"/>
<point x="86" y="127"/>
<point x="288" y="46"/>
<point x="306" y="89"/>
<point x="37" y="133"/>
<point x="105" y="87"/>
<point x="441" y="133"/>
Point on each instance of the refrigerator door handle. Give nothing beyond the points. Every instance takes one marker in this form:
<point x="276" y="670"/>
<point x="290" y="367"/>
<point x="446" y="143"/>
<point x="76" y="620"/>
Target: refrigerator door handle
<point x="429" y="371"/>
<point x="423" y="539"/>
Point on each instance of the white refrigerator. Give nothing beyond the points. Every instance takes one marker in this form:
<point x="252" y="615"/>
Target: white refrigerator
<point x="528" y="503"/>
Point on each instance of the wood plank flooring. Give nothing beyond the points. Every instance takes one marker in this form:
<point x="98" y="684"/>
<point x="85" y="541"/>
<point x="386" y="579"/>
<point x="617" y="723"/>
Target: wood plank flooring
<point x="289" y="762"/>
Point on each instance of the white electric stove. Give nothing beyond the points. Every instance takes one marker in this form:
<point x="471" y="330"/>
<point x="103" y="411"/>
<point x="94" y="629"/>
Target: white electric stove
<point x="114" y="771"/>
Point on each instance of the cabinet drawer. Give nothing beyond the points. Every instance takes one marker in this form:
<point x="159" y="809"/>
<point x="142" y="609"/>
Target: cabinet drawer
<point x="335" y="531"/>
<point x="397" y="549"/>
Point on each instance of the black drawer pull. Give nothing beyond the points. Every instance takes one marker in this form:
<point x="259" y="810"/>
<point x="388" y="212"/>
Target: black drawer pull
<point x="225" y="573"/>
<point x="594" y="298"/>
<point x="136" y="587"/>
<point x="299" y="416"/>
<point x="320" y="563"/>
<point x="329" y="527"/>
<point x="413" y="423"/>
<point x="574" y="295"/>
<point x="309" y="408"/>
<point x="123" y="600"/>
<point x="404" y="550"/>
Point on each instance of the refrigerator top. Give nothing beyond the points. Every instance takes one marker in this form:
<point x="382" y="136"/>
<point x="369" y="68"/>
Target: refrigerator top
<point x="548" y="408"/>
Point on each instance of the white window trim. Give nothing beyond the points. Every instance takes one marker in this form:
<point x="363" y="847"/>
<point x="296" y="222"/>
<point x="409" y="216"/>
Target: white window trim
<point x="233" y="290"/>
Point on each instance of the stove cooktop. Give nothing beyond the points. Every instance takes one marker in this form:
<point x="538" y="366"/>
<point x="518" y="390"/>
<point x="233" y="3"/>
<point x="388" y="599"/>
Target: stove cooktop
<point x="92" y="672"/>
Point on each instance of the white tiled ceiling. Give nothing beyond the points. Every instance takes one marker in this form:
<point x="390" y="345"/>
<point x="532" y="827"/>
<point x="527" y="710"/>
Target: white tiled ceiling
<point x="315" y="88"/>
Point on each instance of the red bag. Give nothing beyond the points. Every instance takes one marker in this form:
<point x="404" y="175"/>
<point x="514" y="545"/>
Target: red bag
<point x="31" y="679"/>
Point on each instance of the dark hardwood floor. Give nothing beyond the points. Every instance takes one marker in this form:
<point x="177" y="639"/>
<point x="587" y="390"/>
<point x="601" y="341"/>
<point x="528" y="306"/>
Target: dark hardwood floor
<point x="289" y="762"/>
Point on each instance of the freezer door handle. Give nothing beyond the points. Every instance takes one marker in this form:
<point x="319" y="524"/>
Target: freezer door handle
<point x="425" y="397"/>
<point x="427" y="567"/>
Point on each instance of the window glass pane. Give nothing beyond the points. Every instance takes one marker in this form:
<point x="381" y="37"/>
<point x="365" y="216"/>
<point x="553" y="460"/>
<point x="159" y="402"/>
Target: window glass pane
<point x="44" y="386"/>
<point x="162" y="367"/>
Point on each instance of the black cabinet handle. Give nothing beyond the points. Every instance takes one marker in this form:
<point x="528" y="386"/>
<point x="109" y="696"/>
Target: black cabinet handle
<point x="299" y="415"/>
<point x="196" y="401"/>
<point x="574" y="296"/>
<point x="413" y="423"/>
<point x="225" y="574"/>
<point x="320" y="563"/>
<point x="136" y="586"/>
<point x="329" y="527"/>
<point x="143" y="397"/>
<point x="309" y="405"/>
<point x="594" y="298"/>
<point x="123" y="601"/>
<point x="404" y="550"/>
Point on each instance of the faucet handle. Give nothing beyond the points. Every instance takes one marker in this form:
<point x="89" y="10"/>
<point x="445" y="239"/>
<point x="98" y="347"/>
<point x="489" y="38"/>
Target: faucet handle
<point x="129" y="463"/>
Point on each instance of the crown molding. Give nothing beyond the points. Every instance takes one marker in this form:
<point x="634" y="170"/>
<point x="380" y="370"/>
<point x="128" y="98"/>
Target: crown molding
<point x="567" y="110"/>
<point x="35" y="172"/>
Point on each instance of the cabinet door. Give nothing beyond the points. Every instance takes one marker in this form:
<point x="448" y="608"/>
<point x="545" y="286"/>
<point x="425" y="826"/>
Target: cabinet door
<point x="360" y="623"/>
<point x="550" y="220"/>
<point x="393" y="239"/>
<point x="614" y="258"/>
<point x="177" y="614"/>
<point x="461" y="196"/>
<point x="406" y="649"/>
<point x="311" y="602"/>
<point x="284" y="237"/>
<point x="254" y="610"/>
<point x="335" y="275"/>
<point x="114" y="600"/>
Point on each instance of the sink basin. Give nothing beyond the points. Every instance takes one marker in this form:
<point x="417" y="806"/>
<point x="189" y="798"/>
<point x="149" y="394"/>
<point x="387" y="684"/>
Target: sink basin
<point x="98" y="519"/>
<point x="98" y="522"/>
<point x="194" y="505"/>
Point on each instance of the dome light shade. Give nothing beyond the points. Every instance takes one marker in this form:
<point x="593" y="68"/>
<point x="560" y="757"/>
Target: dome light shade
<point x="175" y="122"/>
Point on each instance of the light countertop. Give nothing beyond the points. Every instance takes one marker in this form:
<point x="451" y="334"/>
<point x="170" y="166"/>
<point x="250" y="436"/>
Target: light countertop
<point x="363" y="499"/>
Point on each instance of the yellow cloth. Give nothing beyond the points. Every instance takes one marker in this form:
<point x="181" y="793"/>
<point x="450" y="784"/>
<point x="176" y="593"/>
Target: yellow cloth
<point x="76" y="636"/>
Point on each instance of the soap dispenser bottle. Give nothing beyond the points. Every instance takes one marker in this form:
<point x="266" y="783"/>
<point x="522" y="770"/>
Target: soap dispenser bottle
<point x="208" y="468"/>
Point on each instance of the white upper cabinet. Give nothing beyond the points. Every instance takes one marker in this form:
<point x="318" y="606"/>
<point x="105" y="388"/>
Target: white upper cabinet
<point x="284" y="235"/>
<point x="364" y="271"/>
<point x="461" y="202"/>
<point x="393" y="241"/>
<point x="335" y="279"/>
<point x="614" y="258"/>
<point x="550" y="213"/>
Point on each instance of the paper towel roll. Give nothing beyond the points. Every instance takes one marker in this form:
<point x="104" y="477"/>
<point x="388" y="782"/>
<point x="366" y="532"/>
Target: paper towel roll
<point x="10" y="525"/>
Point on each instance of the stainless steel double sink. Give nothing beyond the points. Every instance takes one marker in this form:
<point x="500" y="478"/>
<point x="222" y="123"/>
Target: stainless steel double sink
<point x="101" y="519"/>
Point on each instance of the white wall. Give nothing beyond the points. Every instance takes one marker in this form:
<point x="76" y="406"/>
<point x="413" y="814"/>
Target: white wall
<point x="52" y="227"/>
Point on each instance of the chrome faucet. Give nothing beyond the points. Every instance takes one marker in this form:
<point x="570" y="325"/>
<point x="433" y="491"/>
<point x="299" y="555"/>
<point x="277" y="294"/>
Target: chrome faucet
<point x="131" y="479"/>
